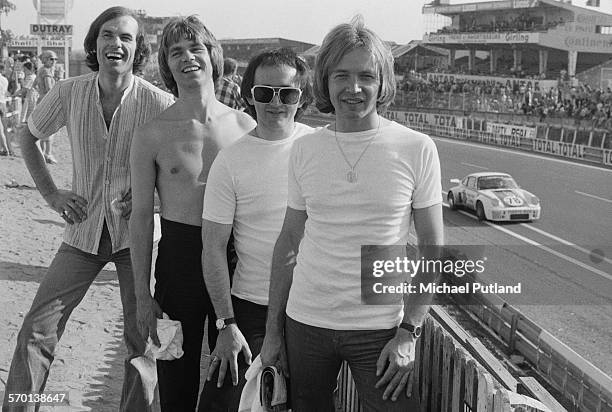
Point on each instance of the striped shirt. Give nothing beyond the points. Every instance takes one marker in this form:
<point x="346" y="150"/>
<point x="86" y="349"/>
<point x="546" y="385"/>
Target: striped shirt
<point x="100" y="156"/>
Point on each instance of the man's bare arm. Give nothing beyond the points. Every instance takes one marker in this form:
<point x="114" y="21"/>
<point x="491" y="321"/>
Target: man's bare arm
<point x="397" y="357"/>
<point x="214" y="266"/>
<point x="429" y="227"/>
<point x="230" y="341"/>
<point x="143" y="177"/>
<point x="283" y="263"/>
<point x="74" y="206"/>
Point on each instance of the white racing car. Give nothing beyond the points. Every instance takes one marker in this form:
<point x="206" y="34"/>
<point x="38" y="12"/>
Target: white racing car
<point x="494" y="196"/>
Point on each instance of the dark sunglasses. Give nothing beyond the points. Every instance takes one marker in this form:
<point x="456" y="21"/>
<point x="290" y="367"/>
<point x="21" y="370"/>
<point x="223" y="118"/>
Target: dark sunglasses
<point x="286" y="95"/>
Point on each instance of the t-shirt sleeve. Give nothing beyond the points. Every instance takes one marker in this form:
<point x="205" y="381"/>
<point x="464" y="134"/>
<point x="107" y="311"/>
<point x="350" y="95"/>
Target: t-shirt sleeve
<point x="49" y="115"/>
<point x="295" y="198"/>
<point x="219" y="196"/>
<point x="428" y="191"/>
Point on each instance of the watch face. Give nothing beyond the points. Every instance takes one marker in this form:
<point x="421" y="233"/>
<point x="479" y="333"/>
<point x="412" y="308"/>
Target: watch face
<point x="220" y="324"/>
<point x="417" y="331"/>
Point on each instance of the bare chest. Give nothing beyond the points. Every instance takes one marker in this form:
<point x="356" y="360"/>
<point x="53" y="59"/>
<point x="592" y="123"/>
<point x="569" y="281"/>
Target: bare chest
<point x="181" y="161"/>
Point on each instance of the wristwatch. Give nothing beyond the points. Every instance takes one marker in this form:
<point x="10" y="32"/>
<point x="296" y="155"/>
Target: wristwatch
<point x="415" y="330"/>
<point x="223" y="323"/>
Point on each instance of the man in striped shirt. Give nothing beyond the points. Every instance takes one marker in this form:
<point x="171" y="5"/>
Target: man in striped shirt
<point x="100" y="111"/>
<point x="173" y="154"/>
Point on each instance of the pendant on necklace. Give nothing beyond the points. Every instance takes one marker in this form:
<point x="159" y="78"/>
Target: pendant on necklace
<point x="351" y="176"/>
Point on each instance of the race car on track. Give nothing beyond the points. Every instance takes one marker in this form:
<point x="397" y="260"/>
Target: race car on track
<point x="494" y="196"/>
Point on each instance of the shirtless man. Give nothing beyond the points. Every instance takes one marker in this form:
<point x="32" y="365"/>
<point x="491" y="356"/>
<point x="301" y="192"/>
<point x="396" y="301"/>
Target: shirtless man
<point x="173" y="154"/>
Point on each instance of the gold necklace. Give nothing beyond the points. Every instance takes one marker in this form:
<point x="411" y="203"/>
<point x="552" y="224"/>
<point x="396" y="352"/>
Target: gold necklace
<point x="351" y="175"/>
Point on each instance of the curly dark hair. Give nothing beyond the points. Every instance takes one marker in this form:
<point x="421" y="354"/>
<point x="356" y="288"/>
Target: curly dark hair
<point x="143" y="51"/>
<point x="278" y="57"/>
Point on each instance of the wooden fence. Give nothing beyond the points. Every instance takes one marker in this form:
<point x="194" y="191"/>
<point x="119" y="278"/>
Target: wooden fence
<point x="447" y="378"/>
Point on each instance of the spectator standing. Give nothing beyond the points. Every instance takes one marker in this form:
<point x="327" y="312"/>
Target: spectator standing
<point x="45" y="80"/>
<point x="172" y="154"/>
<point x="247" y="193"/>
<point x="5" y="145"/>
<point x="359" y="181"/>
<point x="228" y="91"/>
<point x="101" y="110"/>
<point x="30" y="93"/>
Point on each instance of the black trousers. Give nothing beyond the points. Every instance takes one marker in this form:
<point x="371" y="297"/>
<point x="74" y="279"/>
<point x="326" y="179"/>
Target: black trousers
<point x="251" y="320"/>
<point x="181" y="293"/>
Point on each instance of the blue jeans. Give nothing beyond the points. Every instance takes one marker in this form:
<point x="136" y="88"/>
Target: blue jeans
<point x="315" y="356"/>
<point x="251" y="320"/>
<point x="61" y="290"/>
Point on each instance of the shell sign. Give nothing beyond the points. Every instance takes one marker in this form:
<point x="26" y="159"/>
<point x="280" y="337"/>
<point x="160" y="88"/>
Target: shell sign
<point x="52" y="8"/>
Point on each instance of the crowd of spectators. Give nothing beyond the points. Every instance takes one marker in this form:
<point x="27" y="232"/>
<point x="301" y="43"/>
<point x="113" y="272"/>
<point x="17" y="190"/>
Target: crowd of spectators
<point x="520" y="23"/>
<point x="567" y="100"/>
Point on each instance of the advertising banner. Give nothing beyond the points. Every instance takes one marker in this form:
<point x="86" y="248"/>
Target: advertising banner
<point x="569" y="150"/>
<point x="607" y="157"/>
<point x="431" y="119"/>
<point x="51" y="29"/>
<point x="499" y="140"/>
<point x="34" y="43"/>
<point x="483" y="38"/>
<point x="508" y="82"/>
<point x="511" y="130"/>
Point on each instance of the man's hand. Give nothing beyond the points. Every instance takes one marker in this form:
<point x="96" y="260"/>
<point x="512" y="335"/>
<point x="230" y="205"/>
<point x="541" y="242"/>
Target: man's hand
<point x="147" y="313"/>
<point x="230" y="343"/>
<point x="398" y="357"/>
<point x="126" y="200"/>
<point x="274" y="353"/>
<point x="71" y="207"/>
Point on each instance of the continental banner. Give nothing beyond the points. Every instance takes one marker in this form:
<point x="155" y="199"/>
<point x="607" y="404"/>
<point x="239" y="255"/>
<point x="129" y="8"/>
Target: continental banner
<point x="430" y="119"/>
<point x="510" y="130"/>
<point x="507" y="82"/>
<point x="569" y="150"/>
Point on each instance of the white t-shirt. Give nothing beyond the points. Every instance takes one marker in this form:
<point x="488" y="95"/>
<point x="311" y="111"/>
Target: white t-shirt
<point x="399" y="171"/>
<point x="247" y="188"/>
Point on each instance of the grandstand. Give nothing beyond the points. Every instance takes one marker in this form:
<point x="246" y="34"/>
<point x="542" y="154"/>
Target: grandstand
<point x="541" y="65"/>
<point x="525" y="37"/>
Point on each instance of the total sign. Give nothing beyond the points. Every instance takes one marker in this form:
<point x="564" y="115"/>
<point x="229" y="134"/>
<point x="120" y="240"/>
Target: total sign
<point x="51" y="29"/>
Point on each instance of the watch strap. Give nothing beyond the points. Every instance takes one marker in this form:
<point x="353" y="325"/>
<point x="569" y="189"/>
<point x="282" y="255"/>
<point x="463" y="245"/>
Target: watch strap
<point x="225" y="322"/>
<point x="415" y="330"/>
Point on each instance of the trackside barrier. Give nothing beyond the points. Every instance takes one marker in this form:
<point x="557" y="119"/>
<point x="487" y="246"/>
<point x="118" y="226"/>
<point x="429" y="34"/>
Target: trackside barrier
<point x="585" y="386"/>
<point x="564" y="145"/>
<point x="447" y="377"/>
<point x="566" y="150"/>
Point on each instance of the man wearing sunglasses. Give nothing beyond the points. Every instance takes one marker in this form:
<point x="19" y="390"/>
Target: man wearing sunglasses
<point x="247" y="192"/>
<point x="172" y="154"/>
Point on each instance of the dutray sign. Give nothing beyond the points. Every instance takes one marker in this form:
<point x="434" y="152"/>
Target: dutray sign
<point x="51" y="29"/>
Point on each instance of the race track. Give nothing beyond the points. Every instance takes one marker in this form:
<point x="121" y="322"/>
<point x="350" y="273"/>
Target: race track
<point x="563" y="261"/>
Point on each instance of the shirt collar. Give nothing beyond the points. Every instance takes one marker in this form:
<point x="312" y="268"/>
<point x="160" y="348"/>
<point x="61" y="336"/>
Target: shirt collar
<point x="126" y="92"/>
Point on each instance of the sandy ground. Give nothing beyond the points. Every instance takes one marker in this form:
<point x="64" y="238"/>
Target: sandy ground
<point x="89" y="359"/>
